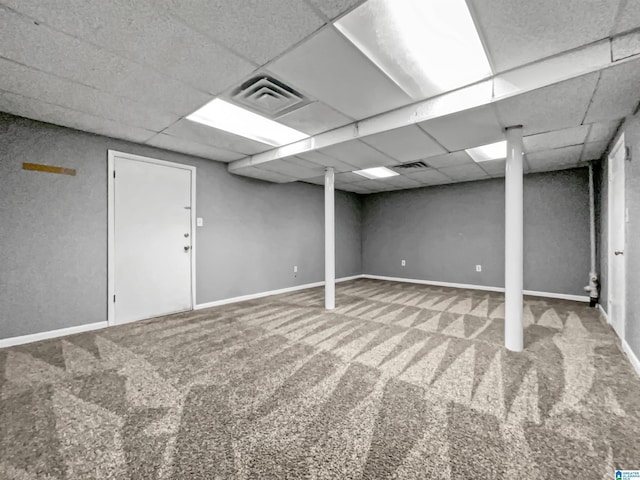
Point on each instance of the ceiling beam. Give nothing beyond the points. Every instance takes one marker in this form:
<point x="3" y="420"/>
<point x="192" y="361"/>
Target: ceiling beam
<point x="542" y="73"/>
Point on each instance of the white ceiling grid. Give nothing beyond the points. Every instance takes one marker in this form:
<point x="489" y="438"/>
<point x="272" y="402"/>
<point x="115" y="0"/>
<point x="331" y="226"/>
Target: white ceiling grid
<point x="331" y="69"/>
<point x="470" y="128"/>
<point x="406" y="144"/>
<point x="522" y="31"/>
<point x="314" y="118"/>
<point x="134" y="70"/>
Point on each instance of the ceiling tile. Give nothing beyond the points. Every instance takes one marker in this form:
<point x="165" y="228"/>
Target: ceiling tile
<point x="450" y="159"/>
<point x="334" y="8"/>
<point x="274" y="26"/>
<point x="45" y="49"/>
<point x="594" y="150"/>
<point x="344" y="79"/>
<point x="555" y="107"/>
<point x="143" y="32"/>
<point x="261" y="174"/>
<point x="618" y="93"/>
<point x="375" y="185"/>
<point x="327" y="161"/>
<point x="628" y="17"/>
<point x="405" y="144"/>
<point x="402" y="181"/>
<point x="495" y="168"/>
<point x="470" y="128"/>
<point x="38" y="85"/>
<point x="47" y="112"/>
<point x="315" y="180"/>
<point x="293" y="167"/>
<point x="192" y="148"/>
<point x="358" y="154"/>
<point x="625" y="46"/>
<point x="199" y="133"/>
<point x="147" y="86"/>
<point x="549" y="159"/>
<point x="429" y="177"/>
<point x="521" y="31"/>
<point x="314" y="118"/>
<point x="464" y="173"/>
<point x="556" y="139"/>
<point x="348" y="177"/>
<point x="603" y="131"/>
<point x="350" y="187"/>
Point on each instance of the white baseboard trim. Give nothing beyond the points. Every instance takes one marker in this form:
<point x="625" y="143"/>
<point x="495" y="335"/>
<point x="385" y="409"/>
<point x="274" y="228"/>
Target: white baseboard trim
<point x="632" y="356"/>
<point x="253" y="296"/>
<point x="603" y="312"/>
<point x="437" y="284"/>
<point x="36" y="337"/>
<point x="562" y="296"/>
<point x="633" y="359"/>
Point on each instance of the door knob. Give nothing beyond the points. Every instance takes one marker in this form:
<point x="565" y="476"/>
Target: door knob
<point x="186" y="248"/>
<point x="618" y="252"/>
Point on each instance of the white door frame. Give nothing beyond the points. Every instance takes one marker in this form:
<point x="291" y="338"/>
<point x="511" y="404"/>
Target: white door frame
<point x="111" y="259"/>
<point x="610" y="247"/>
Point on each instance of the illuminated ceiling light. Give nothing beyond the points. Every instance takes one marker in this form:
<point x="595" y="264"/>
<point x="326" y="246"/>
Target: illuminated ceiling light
<point x="493" y="151"/>
<point x="231" y="118"/>
<point x="377" y="172"/>
<point x="425" y="46"/>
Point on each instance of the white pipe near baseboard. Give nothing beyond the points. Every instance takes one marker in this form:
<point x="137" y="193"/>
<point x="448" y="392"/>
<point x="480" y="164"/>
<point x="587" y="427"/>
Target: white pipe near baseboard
<point x="592" y="287"/>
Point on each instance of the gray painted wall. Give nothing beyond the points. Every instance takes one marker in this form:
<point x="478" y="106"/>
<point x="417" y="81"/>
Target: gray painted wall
<point x="603" y="224"/>
<point x="632" y="248"/>
<point x="443" y="232"/>
<point x="631" y="130"/>
<point x="53" y="229"/>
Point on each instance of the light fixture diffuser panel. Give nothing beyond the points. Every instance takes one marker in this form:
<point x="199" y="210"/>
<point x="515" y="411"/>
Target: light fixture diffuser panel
<point x="492" y="151"/>
<point x="425" y="47"/>
<point x="376" y="173"/>
<point x="231" y="118"/>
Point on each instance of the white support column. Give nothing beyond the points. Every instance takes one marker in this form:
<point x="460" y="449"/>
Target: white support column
<point x="514" y="242"/>
<point x="329" y="240"/>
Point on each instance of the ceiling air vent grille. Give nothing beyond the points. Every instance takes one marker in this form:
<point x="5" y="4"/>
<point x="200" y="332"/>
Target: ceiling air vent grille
<point x="268" y="96"/>
<point x="411" y="166"/>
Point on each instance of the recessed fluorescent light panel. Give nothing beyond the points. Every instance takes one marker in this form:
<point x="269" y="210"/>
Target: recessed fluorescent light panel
<point x="493" y="151"/>
<point x="375" y="173"/>
<point x="231" y="118"/>
<point x="425" y="46"/>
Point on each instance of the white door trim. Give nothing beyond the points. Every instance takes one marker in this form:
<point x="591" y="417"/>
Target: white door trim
<point x="112" y="154"/>
<point x="610" y="247"/>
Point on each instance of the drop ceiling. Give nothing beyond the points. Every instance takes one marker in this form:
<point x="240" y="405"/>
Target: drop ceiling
<point x="135" y="70"/>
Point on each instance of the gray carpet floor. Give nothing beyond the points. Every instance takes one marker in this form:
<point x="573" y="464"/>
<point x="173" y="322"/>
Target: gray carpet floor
<point x="400" y="381"/>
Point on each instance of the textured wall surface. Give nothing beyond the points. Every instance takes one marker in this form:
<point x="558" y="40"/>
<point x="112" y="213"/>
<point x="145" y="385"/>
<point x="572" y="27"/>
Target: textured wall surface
<point x="632" y="249"/>
<point x="443" y="232"/>
<point x="631" y="130"/>
<point x="53" y="229"/>
<point x="603" y="244"/>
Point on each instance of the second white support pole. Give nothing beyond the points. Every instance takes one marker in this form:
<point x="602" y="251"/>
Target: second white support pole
<point x="329" y="240"/>
<point x="514" y="242"/>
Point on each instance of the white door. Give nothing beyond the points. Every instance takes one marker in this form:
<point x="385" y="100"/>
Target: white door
<point x="152" y="238"/>
<point x="617" y="220"/>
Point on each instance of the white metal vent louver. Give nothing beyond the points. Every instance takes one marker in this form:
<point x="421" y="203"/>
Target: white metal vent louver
<point x="268" y="96"/>
<point x="411" y="166"/>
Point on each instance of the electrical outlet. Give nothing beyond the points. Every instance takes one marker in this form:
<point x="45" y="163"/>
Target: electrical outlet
<point x="478" y="268"/>
<point x="404" y="263"/>
<point x="295" y="269"/>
